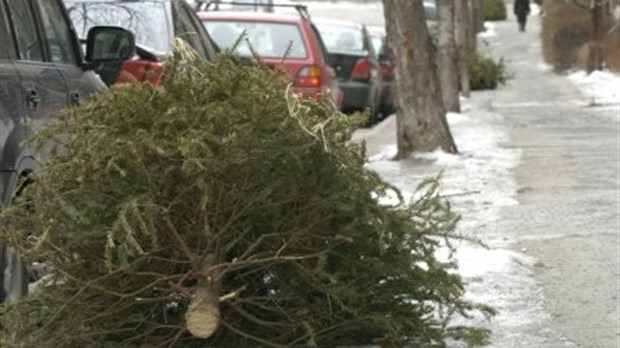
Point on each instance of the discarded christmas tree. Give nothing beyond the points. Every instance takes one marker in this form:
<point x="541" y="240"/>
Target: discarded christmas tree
<point x="221" y="210"/>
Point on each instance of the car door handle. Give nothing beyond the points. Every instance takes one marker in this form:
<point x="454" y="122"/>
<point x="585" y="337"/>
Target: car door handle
<point x="33" y="99"/>
<point x="76" y="99"/>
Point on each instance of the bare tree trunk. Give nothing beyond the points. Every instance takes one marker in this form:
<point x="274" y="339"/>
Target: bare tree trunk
<point x="447" y="56"/>
<point x="469" y="20"/>
<point x="591" y="54"/>
<point x="462" y="26"/>
<point x="478" y="12"/>
<point x="421" y="117"/>
<point x="596" y="59"/>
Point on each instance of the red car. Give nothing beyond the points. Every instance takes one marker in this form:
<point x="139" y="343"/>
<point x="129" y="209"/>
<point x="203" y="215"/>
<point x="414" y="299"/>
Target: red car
<point x="281" y="40"/>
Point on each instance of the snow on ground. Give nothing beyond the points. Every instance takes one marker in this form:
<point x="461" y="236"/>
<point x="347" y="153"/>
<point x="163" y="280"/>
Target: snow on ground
<point x="601" y="87"/>
<point x="479" y="182"/>
<point x="489" y="30"/>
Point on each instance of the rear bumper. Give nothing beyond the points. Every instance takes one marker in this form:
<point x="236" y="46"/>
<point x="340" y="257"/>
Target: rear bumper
<point x="315" y="93"/>
<point x="307" y="92"/>
<point x="356" y="95"/>
<point x="387" y="94"/>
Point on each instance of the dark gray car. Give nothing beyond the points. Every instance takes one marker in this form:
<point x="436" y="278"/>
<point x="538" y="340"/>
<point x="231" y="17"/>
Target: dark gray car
<point x="353" y="57"/>
<point x="41" y="71"/>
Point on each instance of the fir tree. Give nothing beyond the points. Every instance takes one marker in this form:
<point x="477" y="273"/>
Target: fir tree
<point x="221" y="210"/>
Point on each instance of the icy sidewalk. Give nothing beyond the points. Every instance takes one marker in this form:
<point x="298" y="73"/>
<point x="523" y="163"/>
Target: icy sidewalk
<point x="479" y="181"/>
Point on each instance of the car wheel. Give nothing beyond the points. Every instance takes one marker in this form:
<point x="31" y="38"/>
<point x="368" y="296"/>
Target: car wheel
<point x="15" y="275"/>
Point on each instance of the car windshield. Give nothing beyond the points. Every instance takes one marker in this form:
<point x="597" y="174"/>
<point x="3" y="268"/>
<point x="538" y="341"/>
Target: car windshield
<point x="341" y="38"/>
<point x="147" y="20"/>
<point x="268" y="40"/>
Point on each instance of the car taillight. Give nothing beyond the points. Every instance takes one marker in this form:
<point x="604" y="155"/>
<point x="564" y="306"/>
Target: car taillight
<point x="141" y="71"/>
<point x="308" y="76"/>
<point x="361" y="70"/>
<point x="386" y="70"/>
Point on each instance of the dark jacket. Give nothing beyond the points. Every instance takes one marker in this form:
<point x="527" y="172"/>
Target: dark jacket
<point x="522" y="8"/>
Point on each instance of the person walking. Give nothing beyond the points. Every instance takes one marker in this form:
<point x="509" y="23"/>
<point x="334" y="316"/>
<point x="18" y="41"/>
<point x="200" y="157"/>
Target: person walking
<point x="521" y="10"/>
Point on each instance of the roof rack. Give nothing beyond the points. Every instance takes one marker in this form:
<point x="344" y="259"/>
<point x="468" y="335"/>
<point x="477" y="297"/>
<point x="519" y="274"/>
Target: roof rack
<point x="213" y="5"/>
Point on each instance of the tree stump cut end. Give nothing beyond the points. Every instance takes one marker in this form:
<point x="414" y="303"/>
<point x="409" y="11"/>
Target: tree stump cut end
<point x="202" y="320"/>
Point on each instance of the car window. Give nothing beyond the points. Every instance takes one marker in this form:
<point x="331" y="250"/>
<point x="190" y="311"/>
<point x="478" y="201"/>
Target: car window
<point x="206" y="40"/>
<point x="185" y="29"/>
<point x="341" y="38"/>
<point x="57" y="33"/>
<point x="25" y="32"/>
<point x="147" y="20"/>
<point x="268" y="40"/>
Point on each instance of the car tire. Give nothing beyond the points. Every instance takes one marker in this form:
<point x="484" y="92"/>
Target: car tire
<point x="15" y="275"/>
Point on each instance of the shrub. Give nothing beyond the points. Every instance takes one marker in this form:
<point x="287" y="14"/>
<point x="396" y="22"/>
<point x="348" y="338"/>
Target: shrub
<point x="221" y="210"/>
<point x="611" y="50"/>
<point x="484" y="72"/>
<point x="590" y="57"/>
<point x="567" y="28"/>
<point x="494" y="10"/>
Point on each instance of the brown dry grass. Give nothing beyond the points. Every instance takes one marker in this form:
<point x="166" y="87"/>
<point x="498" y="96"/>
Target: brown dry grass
<point x="611" y="51"/>
<point x="566" y="28"/>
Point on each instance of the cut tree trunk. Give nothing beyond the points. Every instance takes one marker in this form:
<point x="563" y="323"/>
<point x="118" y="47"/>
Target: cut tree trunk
<point x="202" y="318"/>
<point x="462" y="27"/>
<point x="447" y="56"/>
<point x="421" y="116"/>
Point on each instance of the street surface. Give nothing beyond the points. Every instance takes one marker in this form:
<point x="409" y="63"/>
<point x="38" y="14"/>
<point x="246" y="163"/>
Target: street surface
<point x="545" y="198"/>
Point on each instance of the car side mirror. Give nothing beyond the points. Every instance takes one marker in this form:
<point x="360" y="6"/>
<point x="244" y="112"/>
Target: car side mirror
<point x="104" y="44"/>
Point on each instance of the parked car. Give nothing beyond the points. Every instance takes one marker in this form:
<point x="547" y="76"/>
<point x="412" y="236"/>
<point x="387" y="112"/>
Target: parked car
<point x="42" y="70"/>
<point x="155" y="23"/>
<point x="352" y="55"/>
<point x="378" y="38"/>
<point x="290" y="42"/>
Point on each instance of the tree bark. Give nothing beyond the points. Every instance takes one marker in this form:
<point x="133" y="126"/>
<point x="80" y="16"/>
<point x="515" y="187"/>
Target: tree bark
<point x="478" y="14"/>
<point x="462" y="26"/>
<point x="594" y="48"/>
<point x="447" y="56"/>
<point x="421" y="117"/>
